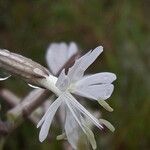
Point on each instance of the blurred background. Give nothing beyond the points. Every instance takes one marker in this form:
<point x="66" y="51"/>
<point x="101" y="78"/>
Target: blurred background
<point x="121" y="27"/>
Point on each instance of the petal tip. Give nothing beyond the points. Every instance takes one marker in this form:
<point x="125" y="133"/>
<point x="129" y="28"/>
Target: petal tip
<point x="115" y="77"/>
<point x="100" y="48"/>
<point x="41" y="140"/>
<point x="39" y="124"/>
<point x="42" y="137"/>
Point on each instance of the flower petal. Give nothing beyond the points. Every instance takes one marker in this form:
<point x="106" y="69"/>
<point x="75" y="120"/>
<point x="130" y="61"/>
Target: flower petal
<point x="77" y="105"/>
<point x="72" y="130"/>
<point x="63" y="81"/>
<point x="54" y="52"/>
<point x="73" y="112"/>
<point x="81" y="64"/>
<point x="90" y="135"/>
<point x="47" y="119"/>
<point x="102" y="91"/>
<point x="98" y="78"/>
<point x="58" y="54"/>
<point x="72" y="49"/>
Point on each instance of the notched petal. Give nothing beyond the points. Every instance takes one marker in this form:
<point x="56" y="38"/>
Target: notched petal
<point x="81" y="64"/>
<point x="98" y="78"/>
<point x="58" y="54"/>
<point x="72" y="129"/>
<point x="102" y="91"/>
<point x="77" y="105"/>
<point x="46" y="120"/>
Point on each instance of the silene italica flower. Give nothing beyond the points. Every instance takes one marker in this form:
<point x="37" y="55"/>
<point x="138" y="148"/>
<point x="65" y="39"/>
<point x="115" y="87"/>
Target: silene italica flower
<point x="69" y="83"/>
<point x="96" y="87"/>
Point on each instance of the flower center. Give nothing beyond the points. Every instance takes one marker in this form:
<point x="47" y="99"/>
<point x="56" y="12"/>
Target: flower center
<point x="50" y="84"/>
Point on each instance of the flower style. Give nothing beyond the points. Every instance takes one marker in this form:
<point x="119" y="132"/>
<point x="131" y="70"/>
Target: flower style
<point x="95" y="87"/>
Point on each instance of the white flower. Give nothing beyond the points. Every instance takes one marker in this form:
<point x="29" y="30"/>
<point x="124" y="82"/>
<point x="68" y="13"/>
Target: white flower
<point x="95" y="87"/>
<point x="58" y="54"/>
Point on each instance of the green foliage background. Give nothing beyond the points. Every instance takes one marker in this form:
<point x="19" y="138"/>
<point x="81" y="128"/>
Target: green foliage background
<point x="122" y="27"/>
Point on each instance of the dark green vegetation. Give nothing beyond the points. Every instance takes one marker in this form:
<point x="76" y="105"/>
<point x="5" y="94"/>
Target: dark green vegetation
<point x="122" y="27"/>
